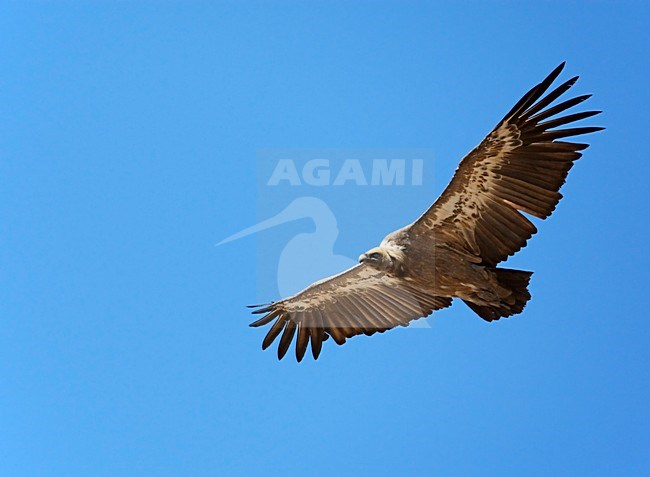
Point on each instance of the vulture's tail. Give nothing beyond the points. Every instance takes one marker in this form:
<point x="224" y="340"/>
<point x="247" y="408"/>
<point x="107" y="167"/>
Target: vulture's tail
<point x="516" y="283"/>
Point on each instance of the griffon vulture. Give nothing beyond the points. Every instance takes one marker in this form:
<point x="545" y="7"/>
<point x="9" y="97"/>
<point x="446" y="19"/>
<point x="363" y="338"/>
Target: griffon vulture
<point x="453" y="249"/>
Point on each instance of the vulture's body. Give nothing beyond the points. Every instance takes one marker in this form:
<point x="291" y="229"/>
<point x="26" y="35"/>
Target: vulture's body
<point x="453" y="249"/>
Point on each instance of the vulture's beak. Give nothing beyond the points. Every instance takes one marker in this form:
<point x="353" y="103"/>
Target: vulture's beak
<point x="363" y="257"/>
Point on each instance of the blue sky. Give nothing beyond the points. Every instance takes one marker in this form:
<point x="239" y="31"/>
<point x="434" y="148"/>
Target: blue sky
<point x="130" y="145"/>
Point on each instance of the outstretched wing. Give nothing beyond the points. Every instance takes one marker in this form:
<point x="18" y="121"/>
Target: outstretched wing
<point x="361" y="300"/>
<point x="519" y="166"/>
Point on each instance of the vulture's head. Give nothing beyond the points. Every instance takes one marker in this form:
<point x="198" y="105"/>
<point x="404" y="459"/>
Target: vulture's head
<point x="383" y="258"/>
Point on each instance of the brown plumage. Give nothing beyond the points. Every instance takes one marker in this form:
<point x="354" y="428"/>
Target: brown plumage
<point x="452" y="250"/>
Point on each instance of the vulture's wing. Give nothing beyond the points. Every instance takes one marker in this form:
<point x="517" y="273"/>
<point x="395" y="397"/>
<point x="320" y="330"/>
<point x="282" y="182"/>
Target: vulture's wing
<point x="519" y="166"/>
<point x="361" y="300"/>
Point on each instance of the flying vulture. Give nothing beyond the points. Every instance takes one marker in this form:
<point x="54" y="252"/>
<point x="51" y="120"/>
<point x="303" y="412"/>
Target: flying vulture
<point x="453" y="249"/>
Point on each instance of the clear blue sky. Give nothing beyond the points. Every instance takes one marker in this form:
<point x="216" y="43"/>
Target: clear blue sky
<point x="128" y="145"/>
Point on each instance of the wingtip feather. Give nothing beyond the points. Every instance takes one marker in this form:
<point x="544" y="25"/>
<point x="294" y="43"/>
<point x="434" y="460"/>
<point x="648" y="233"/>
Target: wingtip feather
<point x="287" y="337"/>
<point x="273" y="332"/>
